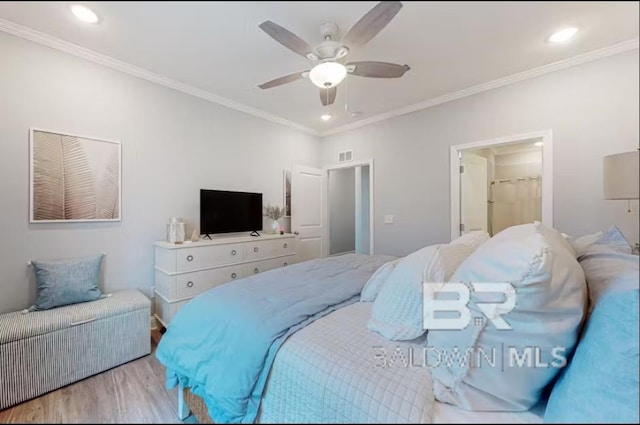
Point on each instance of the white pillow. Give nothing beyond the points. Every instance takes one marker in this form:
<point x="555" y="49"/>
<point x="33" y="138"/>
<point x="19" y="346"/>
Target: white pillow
<point x="612" y="238"/>
<point x="375" y="282"/>
<point x="397" y="311"/>
<point x="608" y="264"/>
<point x="474" y="238"/>
<point x="550" y="302"/>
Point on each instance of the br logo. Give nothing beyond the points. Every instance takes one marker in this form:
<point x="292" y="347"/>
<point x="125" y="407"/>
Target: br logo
<point x="449" y="310"/>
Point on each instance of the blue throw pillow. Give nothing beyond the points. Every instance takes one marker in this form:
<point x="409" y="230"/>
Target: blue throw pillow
<point x="65" y="282"/>
<point x="600" y="384"/>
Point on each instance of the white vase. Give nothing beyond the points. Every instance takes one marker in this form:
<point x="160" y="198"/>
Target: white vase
<point x="275" y="227"/>
<point x="175" y="230"/>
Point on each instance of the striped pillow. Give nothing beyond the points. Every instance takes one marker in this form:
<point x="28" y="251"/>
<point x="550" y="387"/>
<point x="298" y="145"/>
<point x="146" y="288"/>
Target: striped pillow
<point x="397" y="311"/>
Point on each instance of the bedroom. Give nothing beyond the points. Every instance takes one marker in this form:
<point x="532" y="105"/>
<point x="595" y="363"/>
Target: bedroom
<point x="176" y="87"/>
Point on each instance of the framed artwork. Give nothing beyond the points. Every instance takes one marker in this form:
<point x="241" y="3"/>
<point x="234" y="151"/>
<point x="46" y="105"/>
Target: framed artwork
<point x="74" y="178"/>
<point x="287" y="192"/>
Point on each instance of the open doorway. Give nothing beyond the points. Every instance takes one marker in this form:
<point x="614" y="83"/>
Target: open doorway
<point x="501" y="183"/>
<point x="349" y="204"/>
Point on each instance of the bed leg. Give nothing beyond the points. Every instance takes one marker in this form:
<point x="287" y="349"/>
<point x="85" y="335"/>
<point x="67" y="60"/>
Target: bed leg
<point x="183" y="409"/>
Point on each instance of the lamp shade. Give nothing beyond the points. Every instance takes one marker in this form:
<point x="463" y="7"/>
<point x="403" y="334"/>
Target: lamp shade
<point x="620" y="176"/>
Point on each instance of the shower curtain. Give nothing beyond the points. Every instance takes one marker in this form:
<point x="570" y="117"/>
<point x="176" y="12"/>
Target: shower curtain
<point x="517" y="201"/>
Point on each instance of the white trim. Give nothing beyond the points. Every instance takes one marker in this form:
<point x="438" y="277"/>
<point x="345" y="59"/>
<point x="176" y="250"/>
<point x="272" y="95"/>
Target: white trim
<point x="84" y="53"/>
<point x="547" y="173"/>
<point x="352" y="164"/>
<point x="31" y="194"/>
<point x="604" y="52"/>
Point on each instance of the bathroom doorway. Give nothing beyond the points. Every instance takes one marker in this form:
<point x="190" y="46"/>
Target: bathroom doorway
<point x="501" y="184"/>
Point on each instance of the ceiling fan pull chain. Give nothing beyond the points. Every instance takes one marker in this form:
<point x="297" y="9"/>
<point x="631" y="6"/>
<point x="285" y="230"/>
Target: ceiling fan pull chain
<point x="346" y="94"/>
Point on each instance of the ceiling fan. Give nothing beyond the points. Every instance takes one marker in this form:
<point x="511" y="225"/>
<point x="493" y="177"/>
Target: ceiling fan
<point x="328" y="66"/>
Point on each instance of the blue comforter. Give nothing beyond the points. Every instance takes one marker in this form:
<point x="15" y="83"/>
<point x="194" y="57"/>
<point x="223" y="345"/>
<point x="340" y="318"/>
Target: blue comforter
<point x="222" y="343"/>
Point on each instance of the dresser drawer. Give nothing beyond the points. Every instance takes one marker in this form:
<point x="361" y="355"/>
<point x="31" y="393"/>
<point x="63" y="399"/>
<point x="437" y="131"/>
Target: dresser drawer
<point x="208" y="256"/>
<point x="266" y="265"/>
<point x="165" y="284"/>
<point x="192" y="284"/>
<point x="270" y="248"/>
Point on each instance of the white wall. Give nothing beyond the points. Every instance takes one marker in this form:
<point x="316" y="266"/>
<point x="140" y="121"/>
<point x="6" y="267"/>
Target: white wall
<point x="592" y="110"/>
<point x="342" y="210"/>
<point x="519" y="164"/>
<point x="172" y="145"/>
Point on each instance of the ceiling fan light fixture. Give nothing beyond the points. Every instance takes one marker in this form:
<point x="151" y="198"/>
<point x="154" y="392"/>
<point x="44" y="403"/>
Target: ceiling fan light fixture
<point x="327" y="74"/>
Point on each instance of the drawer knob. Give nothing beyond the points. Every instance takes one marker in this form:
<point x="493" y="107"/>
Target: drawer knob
<point x="189" y="257"/>
<point x="256" y="271"/>
<point x="233" y="275"/>
<point x="286" y="264"/>
<point x="233" y="252"/>
<point x="286" y="245"/>
<point x="189" y="284"/>
<point x="255" y="249"/>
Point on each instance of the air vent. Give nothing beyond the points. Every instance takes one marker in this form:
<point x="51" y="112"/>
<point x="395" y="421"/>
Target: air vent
<point x="345" y="156"/>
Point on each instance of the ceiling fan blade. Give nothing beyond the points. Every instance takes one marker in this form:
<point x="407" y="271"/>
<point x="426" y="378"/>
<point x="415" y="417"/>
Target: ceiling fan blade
<point x="372" y="23"/>
<point x="328" y="96"/>
<point x="282" y="80"/>
<point x="378" y="69"/>
<point x="288" y="39"/>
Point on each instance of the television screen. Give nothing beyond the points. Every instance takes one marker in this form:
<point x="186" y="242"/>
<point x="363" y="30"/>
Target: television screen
<point x="226" y="212"/>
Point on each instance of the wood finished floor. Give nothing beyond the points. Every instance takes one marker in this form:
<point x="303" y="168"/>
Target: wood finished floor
<point x="131" y="393"/>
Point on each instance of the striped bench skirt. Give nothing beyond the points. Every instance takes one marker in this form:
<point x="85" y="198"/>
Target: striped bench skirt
<point x="45" y="350"/>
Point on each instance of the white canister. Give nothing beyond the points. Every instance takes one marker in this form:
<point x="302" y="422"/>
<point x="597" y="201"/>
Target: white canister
<point x="175" y="230"/>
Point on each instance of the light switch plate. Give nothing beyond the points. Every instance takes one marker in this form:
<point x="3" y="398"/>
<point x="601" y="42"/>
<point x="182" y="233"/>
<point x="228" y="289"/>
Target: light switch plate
<point x="388" y="219"/>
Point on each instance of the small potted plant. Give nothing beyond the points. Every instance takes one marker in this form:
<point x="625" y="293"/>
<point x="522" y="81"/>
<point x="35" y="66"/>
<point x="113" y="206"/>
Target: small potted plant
<point x="275" y="213"/>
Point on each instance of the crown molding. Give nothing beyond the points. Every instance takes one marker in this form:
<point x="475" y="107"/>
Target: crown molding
<point x="84" y="53"/>
<point x="593" y="55"/>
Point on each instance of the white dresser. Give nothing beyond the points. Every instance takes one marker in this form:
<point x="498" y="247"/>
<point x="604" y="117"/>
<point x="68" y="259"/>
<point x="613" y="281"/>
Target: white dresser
<point x="186" y="270"/>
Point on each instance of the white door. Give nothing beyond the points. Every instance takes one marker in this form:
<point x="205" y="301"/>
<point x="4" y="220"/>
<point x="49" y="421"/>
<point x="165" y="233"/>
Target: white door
<point x="307" y="211"/>
<point x="473" y="193"/>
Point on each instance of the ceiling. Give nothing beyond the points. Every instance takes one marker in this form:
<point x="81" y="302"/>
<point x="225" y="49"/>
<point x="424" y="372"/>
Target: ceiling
<point x="218" y="47"/>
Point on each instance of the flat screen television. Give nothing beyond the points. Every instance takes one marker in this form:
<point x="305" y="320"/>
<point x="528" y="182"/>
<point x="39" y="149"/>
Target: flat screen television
<point x="227" y="212"/>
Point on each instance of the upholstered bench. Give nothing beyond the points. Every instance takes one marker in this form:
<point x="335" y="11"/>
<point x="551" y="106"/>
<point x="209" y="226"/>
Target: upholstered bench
<point x="45" y="350"/>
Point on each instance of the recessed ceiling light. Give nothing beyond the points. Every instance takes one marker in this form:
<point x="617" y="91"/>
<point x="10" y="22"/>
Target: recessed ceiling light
<point x="326" y="117"/>
<point x="356" y="114"/>
<point x="84" y="13"/>
<point x="538" y="144"/>
<point x="563" y="35"/>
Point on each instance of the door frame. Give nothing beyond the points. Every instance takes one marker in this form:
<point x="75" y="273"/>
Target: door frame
<point x="351" y="164"/>
<point x="547" y="173"/>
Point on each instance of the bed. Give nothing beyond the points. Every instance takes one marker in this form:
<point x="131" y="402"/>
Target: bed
<point x="331" y="350"/>
<point x="295" y="345"/>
